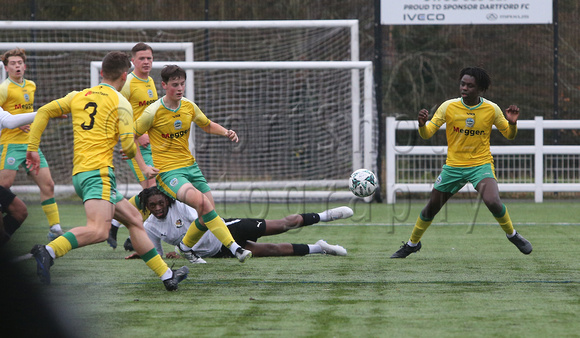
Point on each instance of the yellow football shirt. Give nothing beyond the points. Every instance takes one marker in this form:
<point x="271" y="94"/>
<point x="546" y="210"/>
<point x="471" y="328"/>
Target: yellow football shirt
<point x="169" y="132"/>
<point x="16" y="98"/>
<point x="100" y="117"/>
<point x="140" y="93"/>
<point x="468" y="130"/>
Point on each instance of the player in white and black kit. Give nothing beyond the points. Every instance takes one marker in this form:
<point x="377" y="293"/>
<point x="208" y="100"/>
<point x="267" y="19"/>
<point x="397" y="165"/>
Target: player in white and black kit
<point x="170" y="219"/>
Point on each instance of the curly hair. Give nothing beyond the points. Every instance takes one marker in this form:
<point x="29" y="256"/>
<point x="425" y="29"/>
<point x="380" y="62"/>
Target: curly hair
<point x="482" y="78"/>
<point x="145" y="194"/>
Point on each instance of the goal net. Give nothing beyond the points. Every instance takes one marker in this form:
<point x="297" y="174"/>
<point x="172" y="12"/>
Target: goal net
<point x="300" y="127"/>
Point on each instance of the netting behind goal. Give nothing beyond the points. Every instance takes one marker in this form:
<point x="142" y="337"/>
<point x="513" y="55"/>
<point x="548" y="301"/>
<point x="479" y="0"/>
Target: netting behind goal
<point x="294" y="124"/>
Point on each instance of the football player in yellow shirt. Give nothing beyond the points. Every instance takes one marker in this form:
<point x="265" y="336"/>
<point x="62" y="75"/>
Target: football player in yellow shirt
<point x="140" y="90"/>
<point x="100" y="117"/>
<point x="17" y="97"/>
<point x="469" y="122"/>
<point x="168" y="122"/>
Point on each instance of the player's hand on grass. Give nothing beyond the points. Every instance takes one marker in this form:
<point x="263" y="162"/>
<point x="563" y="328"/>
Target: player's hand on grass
<point x="172" y="254"/>
<point x="134" y="255"/>
<point x="33" y="161"/>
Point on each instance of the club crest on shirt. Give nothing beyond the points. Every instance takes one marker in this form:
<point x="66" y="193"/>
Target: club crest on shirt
<point x="470" y="122"/>
<point x="177" y="124"/>
<point x="150" y="93"/>
<point x="26" y="97"/>
<point x="178" y="223"/>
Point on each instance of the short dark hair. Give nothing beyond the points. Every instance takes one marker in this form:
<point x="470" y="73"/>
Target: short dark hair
<point x="482" y="78"/>
<point x="172" y="72"/>
<point x="14" y="52"/>
<point x="145" y="194"/>
<point x="140" y="47"/>
<point x="115" y="64"/>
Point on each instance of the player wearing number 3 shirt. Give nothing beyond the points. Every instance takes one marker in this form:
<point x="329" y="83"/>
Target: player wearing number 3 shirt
<point x="101" y="116"/>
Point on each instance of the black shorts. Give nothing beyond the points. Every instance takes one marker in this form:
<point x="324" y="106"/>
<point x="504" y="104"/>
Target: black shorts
<point x="243" y="230"/>
<point x="6" y="198"/>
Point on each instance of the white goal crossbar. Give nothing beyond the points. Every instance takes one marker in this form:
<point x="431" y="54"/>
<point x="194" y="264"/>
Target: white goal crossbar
<point x="169" y="25"/>
<point x="363" y="154"/>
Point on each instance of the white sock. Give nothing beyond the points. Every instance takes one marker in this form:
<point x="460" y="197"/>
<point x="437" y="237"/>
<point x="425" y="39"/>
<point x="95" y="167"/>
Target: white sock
<point x="324" y="216"/>
<point x="409" y="243"/>
<point x="234" y="247"/>
<point x="513" y="234"/>
<point x="314" y="248"/>
<point x="50" y="251"/>
<point x="168" y="274"/>
<point x="115" y="223"/>
<point x="55" y="228"/>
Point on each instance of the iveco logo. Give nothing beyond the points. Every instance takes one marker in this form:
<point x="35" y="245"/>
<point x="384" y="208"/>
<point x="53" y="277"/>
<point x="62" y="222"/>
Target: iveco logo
<point x="424" y="17"/>
<point x="491" y="17"/>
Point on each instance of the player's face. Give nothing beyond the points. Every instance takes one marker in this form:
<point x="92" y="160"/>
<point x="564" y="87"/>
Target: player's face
<point x="469" y="90"/>
<point x="15" y="68"/>
<point x="174" y="88"/>
<point x="158" y="206"/>
<point x="143" y="61"/>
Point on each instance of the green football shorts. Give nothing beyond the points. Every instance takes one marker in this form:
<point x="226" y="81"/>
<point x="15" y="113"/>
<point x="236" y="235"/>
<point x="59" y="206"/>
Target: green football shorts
<point x="14" y="155"/>
<point x="146" y="153"/>
<point x="452" y="179"/>
<point x="170" y="181"/>
<point x="97" y="184"/>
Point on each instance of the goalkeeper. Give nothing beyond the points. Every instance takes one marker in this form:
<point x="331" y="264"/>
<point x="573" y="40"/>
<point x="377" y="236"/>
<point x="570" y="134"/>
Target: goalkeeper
<point x="170" y="219"/>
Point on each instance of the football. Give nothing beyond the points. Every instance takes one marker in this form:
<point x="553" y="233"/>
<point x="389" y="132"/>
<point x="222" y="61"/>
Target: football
<point x="363" y="183"/>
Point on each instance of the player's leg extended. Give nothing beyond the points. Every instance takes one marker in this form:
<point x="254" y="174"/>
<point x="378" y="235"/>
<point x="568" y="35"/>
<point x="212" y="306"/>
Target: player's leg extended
<point x="291" y="249"/>
<point x="489" y="191"/>
<point x="278" y="226"/>
<point x="128" y="215"/>
<point x="273" y="249"/>
<point x="99" y="214"/>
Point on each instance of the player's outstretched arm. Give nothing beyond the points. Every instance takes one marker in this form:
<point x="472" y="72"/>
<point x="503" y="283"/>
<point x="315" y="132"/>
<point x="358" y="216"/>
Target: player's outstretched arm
<point x="217" y="129"/>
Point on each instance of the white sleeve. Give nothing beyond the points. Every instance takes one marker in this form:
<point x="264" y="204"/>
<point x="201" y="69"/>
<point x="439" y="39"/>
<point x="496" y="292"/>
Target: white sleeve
<point x="10" y="121"/>
<point x="186" y="212"/>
